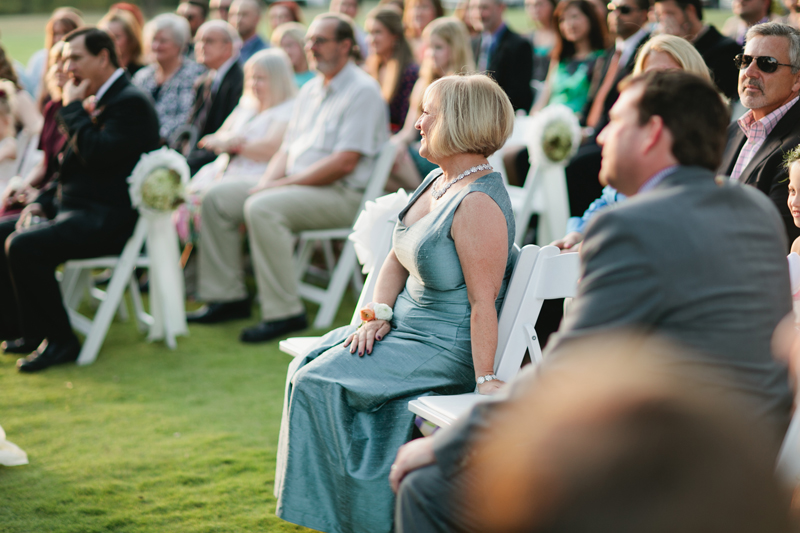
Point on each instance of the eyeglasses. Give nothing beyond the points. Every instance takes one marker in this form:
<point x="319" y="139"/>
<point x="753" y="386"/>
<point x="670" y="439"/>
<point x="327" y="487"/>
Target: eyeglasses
<point x="764" y="63"/>
<point x="622" y="10"/>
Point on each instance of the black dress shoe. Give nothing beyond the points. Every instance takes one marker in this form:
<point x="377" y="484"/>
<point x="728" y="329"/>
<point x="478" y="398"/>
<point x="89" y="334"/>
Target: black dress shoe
<point x="19" y="346"/>
<point x="265" y="331"/>
<point x="49" y="354"/>
<point x="214" y="313"/>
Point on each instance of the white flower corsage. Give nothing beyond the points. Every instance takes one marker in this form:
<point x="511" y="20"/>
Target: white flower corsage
<point x="375" y="311"/>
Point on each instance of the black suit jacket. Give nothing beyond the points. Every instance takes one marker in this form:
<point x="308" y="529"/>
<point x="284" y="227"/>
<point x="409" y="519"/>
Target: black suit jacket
<point x="511" y="65"/>
<point x="600" y="70"/>
<point x="101" y="151"/>
<point x="718" y="52"/>
<point x="765" y="171"/>
<point x="222" y="103"/>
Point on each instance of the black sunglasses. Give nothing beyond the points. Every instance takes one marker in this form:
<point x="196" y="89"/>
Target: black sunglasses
<point x="764" y="63"/>
<point x="623" y="10"/>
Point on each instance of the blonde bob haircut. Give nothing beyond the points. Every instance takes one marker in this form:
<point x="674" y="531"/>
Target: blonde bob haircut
<point x="276" y="65"/>
<point x="471" y="115"/>
<point x="681" y="50"/>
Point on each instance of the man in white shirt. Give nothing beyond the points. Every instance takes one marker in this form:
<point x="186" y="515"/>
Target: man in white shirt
<point x="315" y="181"/>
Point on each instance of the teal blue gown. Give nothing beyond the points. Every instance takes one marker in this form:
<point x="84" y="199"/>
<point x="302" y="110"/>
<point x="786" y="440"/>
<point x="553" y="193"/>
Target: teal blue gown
<point x="345" y="416"/>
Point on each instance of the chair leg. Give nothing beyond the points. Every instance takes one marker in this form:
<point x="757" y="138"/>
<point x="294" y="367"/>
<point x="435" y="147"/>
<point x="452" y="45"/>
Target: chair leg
<point x="338" y="284"/>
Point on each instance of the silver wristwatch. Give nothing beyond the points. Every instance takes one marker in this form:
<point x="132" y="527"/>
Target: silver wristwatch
<point x="488" y="377"/>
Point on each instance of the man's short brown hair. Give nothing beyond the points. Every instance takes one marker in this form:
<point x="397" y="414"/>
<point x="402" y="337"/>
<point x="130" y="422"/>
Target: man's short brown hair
<point x="692" y="110"/>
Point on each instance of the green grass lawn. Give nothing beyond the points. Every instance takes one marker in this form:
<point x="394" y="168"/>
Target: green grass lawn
<point x="147" y="439"/>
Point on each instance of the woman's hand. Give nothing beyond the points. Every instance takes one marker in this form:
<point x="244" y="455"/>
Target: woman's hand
<point x="365" y="336"/>
<point x="33" y="210"/>
<point x="487" y="388"/>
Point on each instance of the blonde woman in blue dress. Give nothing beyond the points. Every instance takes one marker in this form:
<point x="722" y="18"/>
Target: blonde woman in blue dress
<point x="436" y="302"/>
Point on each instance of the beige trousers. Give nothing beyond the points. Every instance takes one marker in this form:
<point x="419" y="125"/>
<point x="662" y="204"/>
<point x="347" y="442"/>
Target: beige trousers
<point x="272" y="217"/>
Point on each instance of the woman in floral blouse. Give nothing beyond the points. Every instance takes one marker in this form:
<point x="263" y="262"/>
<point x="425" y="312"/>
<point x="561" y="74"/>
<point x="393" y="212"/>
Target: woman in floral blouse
<point x="170" y="80"/>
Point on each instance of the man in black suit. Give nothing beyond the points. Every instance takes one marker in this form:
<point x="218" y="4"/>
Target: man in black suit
<point x="684" y="18"/>
<point x="87" y="213"/>
<point x="505" y="55"/>
<point x="758" y="141"/>
<point x="659" y="264"/>
<point x="217" y="47"/>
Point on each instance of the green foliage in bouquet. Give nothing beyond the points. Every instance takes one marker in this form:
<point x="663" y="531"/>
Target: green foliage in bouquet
<point x="162" y="190"/>
<point x="557" y="141"/>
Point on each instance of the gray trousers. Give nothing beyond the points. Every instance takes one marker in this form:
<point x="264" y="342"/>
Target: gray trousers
<point x="272" y="217"/>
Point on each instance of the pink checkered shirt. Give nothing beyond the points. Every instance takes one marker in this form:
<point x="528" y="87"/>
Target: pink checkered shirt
<point x="756" y="132"/>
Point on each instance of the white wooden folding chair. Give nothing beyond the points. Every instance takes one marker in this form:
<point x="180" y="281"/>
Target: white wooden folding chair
<point x="544" y="194"/>
<point x="539" y="274"/>
<point x="341" y="271"/>
<point x="298" y="346"/>
<point x="76" y="282"/>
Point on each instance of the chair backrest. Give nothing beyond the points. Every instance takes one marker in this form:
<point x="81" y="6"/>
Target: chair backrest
<point x="380" y="174"/>
<point x="384" y="228"/>
<point x="540" y="274"/>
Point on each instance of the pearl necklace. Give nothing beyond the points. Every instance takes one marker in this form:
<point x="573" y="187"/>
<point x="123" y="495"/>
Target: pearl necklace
<point x="438" y="194"/>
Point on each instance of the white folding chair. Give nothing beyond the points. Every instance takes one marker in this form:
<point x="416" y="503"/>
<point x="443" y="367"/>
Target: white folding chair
<point x="76" y="282"/>
<point x="298" y="346"/>
<point x="539" y="274"/>
<point x="545" y="194"/>
<point x="341" y="271"/>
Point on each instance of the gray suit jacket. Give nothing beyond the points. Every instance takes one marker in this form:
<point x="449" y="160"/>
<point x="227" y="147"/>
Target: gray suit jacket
<point x="700" y="263"/>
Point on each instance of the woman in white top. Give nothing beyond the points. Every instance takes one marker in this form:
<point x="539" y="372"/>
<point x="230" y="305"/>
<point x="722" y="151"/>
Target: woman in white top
<point x="251" y="134"/>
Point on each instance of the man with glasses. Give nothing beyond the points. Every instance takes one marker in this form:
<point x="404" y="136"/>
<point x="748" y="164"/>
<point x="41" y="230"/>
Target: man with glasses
<point x="684" y="18"/>
<point x="769" y="85"/>
<point x="314" y="181"/>
<point x="195" y="13"/>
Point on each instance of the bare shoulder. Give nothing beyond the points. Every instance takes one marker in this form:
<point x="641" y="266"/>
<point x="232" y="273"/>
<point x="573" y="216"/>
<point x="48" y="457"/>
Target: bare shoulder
<point x="478" y="214"/>
<point x="796" y="246"/>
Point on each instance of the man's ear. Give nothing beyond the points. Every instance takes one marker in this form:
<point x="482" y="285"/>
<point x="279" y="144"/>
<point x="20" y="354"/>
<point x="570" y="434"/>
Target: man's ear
<point x="691" y="10"/>
<point x="105" y="57"/>
<point x="796" y="84"/>
<point x="654" y="132"/>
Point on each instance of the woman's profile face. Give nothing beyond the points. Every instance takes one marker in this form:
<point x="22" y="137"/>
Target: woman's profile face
<point x="278" y="15"/>
<point x="56" y="71"/>
<point x="380" y="41"/>
<point x="59" y="31"/>
<point x="794" y="192"/>
<point x="424" y="124"/>
<point x="294" y="50"/>
<point x="423" y="14"/>
<point x="117" y="32"/>
<point x="440" y="53"/>
<point x="257" y="81"/>
<point x="574" y="25"/>
<point x="540" y="11"/>
<point x="658" y="60"/>
<point x="163" y="47"/>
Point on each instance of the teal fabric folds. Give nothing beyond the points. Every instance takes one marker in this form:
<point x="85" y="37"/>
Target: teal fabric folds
<point x="345" y="416"/>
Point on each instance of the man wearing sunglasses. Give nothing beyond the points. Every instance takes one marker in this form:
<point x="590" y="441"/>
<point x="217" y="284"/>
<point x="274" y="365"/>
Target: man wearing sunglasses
<point x="769" y="85"/>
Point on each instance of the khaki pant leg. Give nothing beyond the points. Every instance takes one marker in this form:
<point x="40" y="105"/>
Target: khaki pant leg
<point x="273" y="217"/>
<point x="220" y="271"/>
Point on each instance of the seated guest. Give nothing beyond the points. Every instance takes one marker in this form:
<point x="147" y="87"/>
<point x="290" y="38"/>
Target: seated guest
<point x="88" y="214"/>
<point x="315" y="181"/>
<point x="290" y="36"/>
<point x="447" y="52"/>
<point x="219" y="9"/>
<point x="218" y="92"/>
<point x="792" y="164"/>
<point x="252" y="133"/>
<point x="416" y="17"/>
<point x="170" y="80"/>
<point x="130" y="8"/>
<point x="684" y="18"/>
<point x="8" y="142"/>
<point x="51" y="140"/>
<point x="350" y="8"/>
<point x="769" y="87"/>
<point x="195" y="12"/>
<point x="543" y="37"/>
<point x="445" y="279"/>
<point x="662" y="52"/>
<point x="391" y="62"/>
<point x="506" y="55"/>
<point x="580" y="41"/>
<point x="245" y="16"/>
<point x="127" y="34"/>
<point x="283" y="12"/>
<point x="659" y="264"/>
<point x="61" y="22"/>
<point x="26" y="113"/>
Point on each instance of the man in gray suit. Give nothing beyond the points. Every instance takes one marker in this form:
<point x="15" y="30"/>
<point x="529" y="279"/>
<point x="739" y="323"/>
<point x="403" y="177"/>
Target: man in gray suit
<point x="696" y="260"/>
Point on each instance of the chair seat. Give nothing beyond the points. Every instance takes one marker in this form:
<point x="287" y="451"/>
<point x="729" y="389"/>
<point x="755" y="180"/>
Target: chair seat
<point x="444" y="410"/>
<point x="109" y="261"/>
<point x="297" y="346"/>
